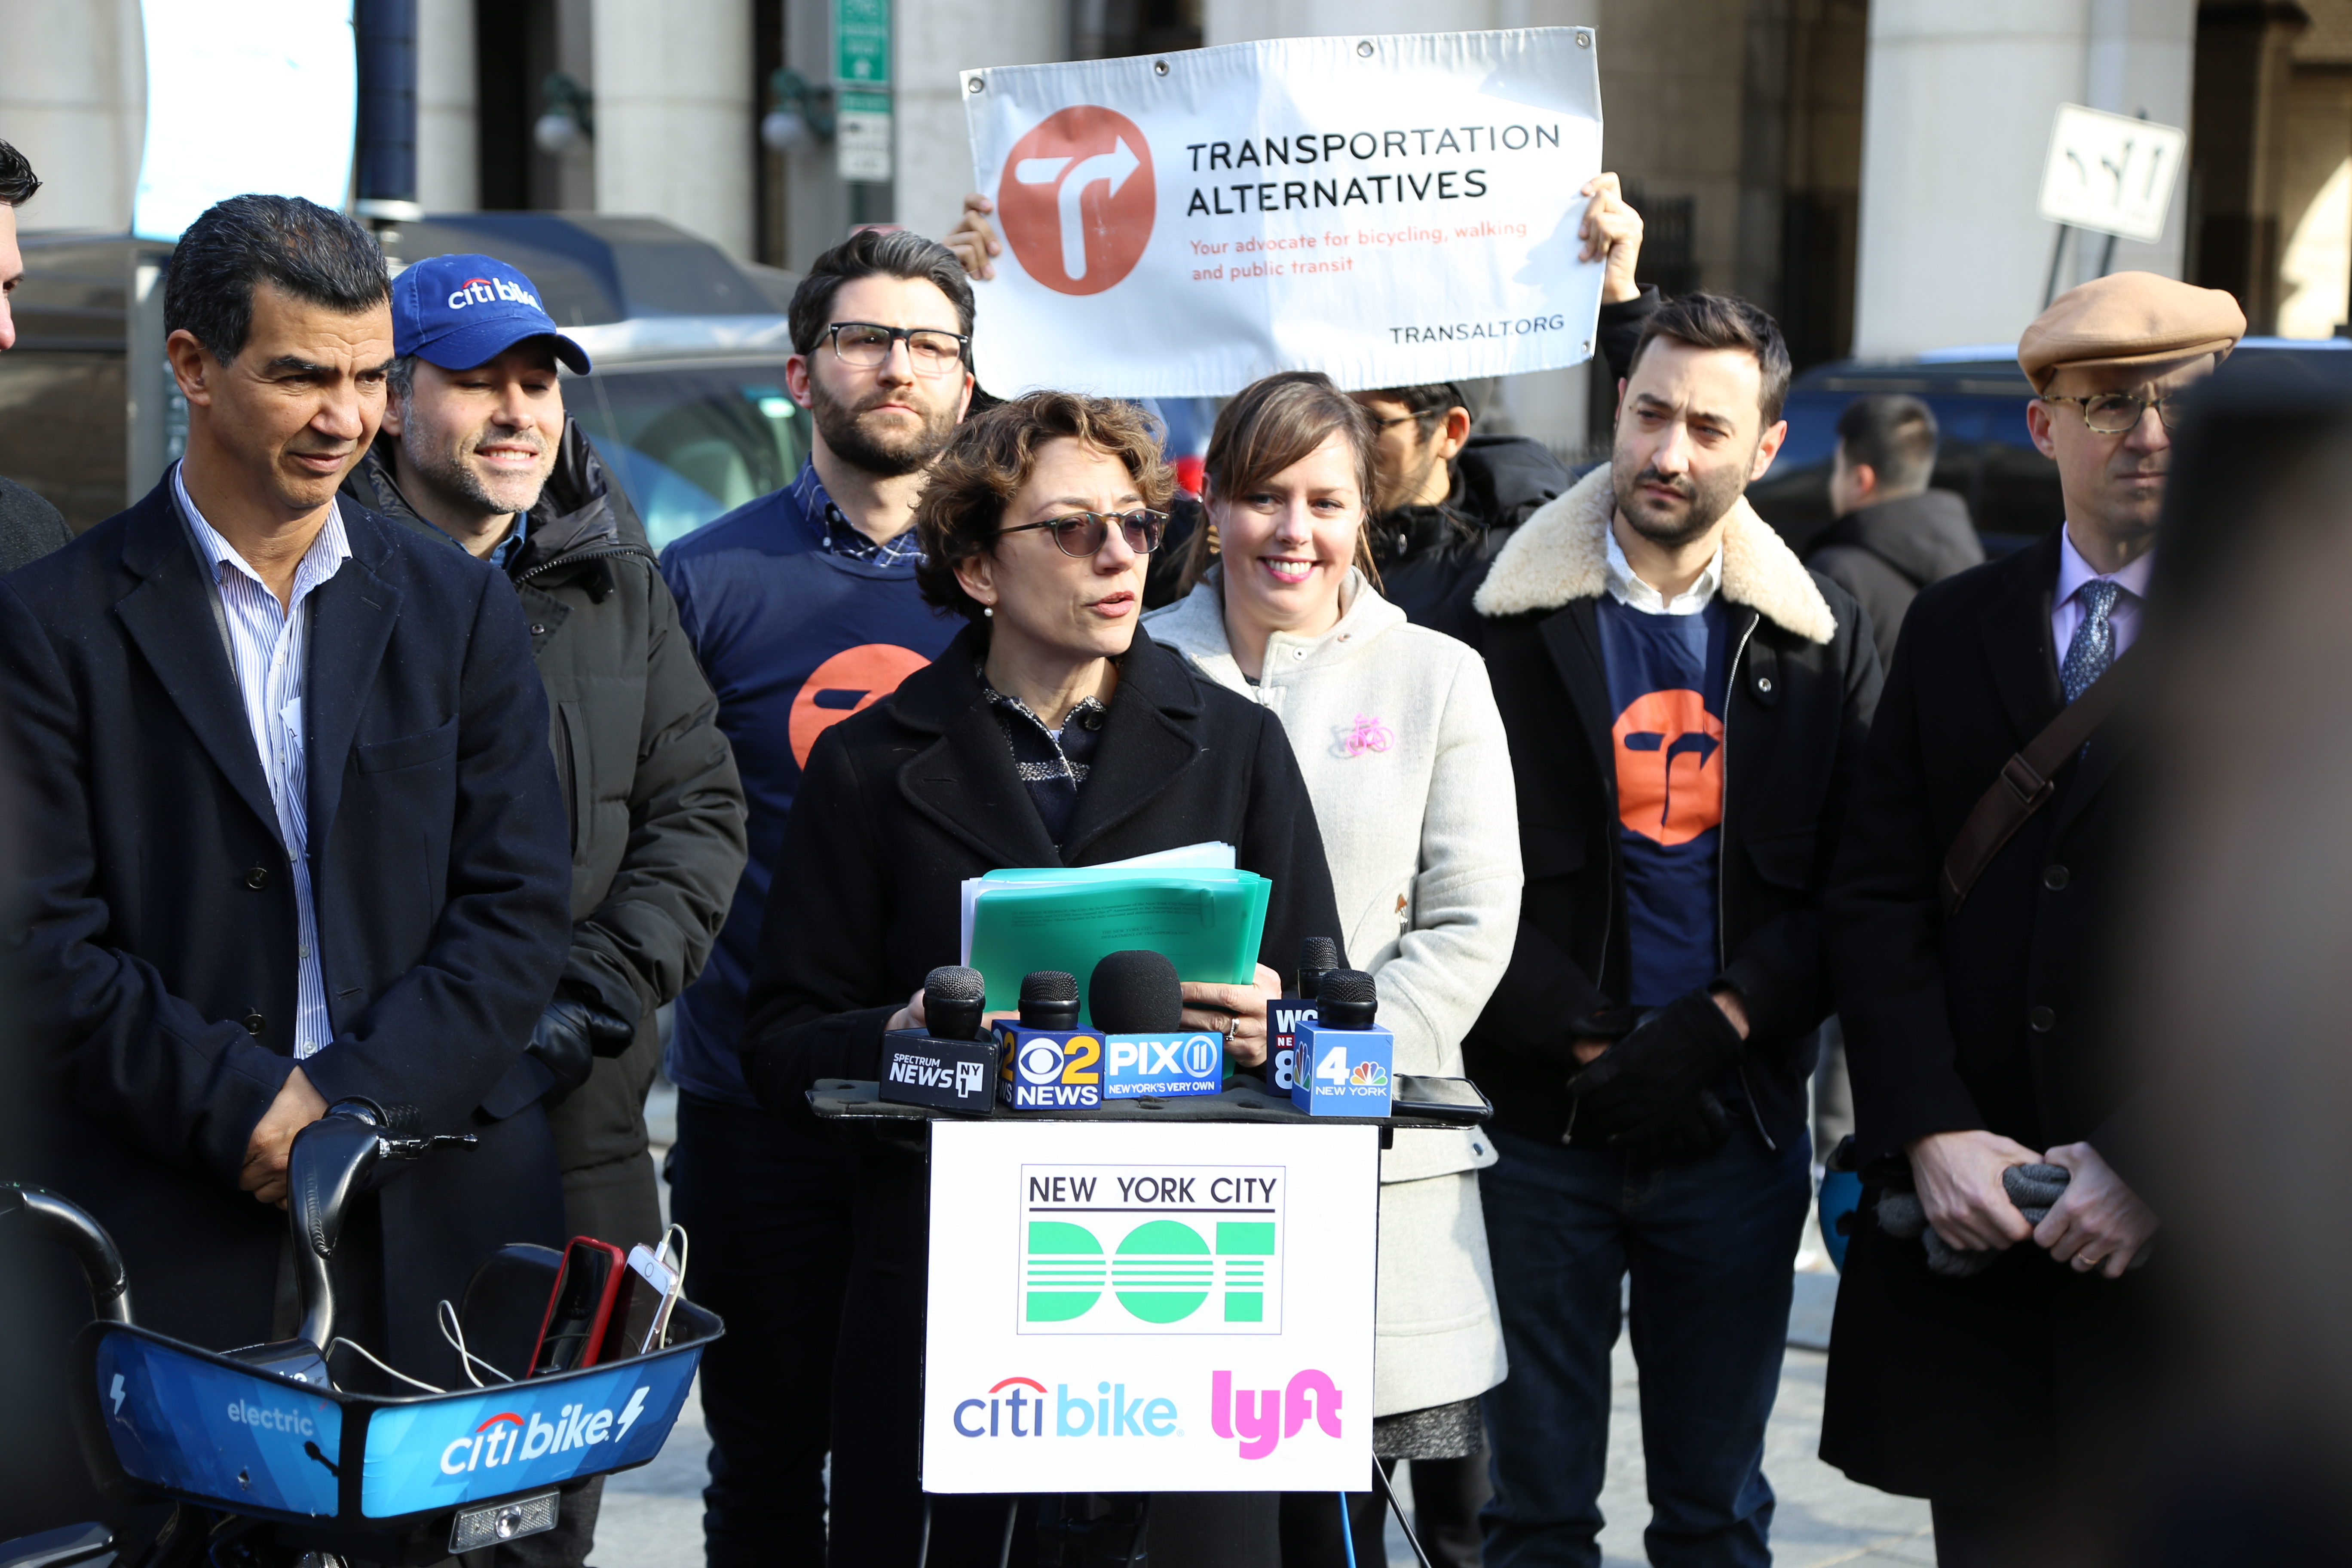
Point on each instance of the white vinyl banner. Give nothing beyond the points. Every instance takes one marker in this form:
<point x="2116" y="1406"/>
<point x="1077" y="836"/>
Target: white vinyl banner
<point x="1389" y="211"/>
<point x="1124" y="1307"/>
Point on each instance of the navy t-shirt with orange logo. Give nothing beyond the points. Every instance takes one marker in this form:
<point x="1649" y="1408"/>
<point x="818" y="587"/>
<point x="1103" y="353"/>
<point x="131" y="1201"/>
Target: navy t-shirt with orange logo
<point x="797" y="628"/>
<point x="1667" y="677"/>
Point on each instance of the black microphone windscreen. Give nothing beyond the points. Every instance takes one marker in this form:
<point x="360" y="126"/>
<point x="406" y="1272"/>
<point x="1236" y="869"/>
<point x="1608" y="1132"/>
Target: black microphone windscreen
<point x="1049" y="986"/>
<point x="1320" y="953"/>
<point x="1049" y="1000"/>
<point x="1349" y="999"/>
<point x="1136" y="993"/>
<point x="954" y="999"/>
<point x="954" y="983"/>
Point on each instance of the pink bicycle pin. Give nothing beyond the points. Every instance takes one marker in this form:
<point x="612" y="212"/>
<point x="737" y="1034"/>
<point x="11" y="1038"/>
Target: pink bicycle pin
<point x="1369" y="735"/>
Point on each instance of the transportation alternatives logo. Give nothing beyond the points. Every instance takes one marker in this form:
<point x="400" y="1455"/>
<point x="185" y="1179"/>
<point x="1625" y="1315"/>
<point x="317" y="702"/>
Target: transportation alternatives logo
<point x="1669" y="766"/>
<point x="1151" y="1249"/>
<point x="849" y="683"/>
<point x="1077" y="199"/>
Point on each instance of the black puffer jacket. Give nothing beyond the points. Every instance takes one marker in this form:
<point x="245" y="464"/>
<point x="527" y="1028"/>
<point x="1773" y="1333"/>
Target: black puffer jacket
<point x="1884" y="554"/>
<point x="657" y="812"/>
<point x="1426" y="553"/>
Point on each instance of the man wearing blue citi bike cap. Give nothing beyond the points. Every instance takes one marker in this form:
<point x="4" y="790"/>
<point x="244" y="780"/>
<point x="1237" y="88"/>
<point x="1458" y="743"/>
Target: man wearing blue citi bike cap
<point x="477" y="450"/>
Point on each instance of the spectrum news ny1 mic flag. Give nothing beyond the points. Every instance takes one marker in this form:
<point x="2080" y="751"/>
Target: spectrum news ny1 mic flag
<point x="1387" y="210"/>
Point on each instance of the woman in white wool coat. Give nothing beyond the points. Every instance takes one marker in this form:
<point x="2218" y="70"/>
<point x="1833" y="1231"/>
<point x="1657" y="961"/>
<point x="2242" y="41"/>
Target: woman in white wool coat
<point x="1404" y="756"/>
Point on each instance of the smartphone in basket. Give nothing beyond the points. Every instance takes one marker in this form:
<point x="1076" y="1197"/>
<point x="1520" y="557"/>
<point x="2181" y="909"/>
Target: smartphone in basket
<point x="578" y="1324"/>
<point x="640" y="1321"/>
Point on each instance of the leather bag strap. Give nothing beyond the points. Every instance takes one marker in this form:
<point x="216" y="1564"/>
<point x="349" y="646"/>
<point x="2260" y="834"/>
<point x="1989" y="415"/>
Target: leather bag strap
<point x="2024" y="787"/>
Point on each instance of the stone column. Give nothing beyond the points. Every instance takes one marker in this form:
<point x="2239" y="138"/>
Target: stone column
<point x="449" y="145"/>
<point x="934" y="40"/>
<point x="1956" y="127"/>
<point x="73" y="99"/>
<point x="675" y="114"/>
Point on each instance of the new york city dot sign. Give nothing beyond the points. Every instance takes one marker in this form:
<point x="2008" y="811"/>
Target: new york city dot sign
<point x="1387" y="210"/>
<point x="1116" y="1306"/>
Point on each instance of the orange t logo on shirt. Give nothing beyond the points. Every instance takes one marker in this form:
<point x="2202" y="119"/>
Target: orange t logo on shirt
<point x="1669" y="766"/>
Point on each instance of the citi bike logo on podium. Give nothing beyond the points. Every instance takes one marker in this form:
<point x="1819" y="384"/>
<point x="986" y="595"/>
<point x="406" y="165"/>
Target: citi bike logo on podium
<point x="1151" y="1249"/>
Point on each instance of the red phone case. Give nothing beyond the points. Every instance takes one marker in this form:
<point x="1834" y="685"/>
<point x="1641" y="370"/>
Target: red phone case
<point x="616" y="1269"/>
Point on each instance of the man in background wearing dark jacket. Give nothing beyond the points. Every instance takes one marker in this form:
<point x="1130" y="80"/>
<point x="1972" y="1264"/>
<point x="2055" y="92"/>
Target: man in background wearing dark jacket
<point x="1686" y="707"/>
<point x="804" y="609"/>
<point x="29" y="527"/>
<point x="1894" y="535"/>
<point x="477" y="452"/>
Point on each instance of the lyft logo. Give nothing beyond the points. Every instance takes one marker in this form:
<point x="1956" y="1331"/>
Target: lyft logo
<point x="1077" y="199"/>
<point x="1264" y="1418"/>
<point x="485" y="290"/>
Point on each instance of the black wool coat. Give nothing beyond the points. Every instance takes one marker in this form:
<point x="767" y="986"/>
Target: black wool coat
<point x="159" y="953"/>
<point x="899" y="804"/>
<point x="1995" y="1018"/>
<point x="1803" y="683"/>
<point x="905" y="800"/>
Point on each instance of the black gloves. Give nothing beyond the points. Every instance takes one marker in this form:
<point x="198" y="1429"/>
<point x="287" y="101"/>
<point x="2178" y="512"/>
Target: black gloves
<point x="1653" y="1090"/>
<point x="569" y="1037"/>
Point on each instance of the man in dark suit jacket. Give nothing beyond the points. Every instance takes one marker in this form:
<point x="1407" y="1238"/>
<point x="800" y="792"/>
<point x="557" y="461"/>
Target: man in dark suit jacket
<point x="1978" y="1038"/>
<point x="292" y="834"/>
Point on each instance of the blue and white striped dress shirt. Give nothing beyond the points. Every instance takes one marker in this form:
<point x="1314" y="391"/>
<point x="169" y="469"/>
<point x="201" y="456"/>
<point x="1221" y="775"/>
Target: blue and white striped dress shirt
<point x="270" y="647"/>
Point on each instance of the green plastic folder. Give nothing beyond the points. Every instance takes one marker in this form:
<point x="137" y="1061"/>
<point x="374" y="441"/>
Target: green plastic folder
<point x="1209" y="922"/>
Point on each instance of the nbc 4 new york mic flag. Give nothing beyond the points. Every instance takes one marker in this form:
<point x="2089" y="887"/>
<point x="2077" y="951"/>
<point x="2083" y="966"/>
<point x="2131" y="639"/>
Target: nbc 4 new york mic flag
<point x="1388" y="210"/>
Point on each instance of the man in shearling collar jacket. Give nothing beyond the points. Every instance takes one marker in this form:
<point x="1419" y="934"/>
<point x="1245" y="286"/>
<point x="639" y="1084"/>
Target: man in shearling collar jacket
<point x="1686" y="706"/>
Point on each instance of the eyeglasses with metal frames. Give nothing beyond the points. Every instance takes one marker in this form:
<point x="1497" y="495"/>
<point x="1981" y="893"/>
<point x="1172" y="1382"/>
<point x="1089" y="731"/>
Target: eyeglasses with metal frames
<point x="866" y="345"/>
<point x="2118" y="412"/>
<point x="1083" y="533"/>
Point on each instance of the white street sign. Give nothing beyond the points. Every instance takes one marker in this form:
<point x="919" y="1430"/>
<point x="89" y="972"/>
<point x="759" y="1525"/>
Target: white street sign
<point x="2111" y="174"/>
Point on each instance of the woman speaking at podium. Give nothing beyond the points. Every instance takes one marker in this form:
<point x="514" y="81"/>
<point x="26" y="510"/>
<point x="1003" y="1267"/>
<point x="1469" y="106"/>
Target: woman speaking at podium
<point x="1405" y="756"/>
<point x="1053" y="731"/>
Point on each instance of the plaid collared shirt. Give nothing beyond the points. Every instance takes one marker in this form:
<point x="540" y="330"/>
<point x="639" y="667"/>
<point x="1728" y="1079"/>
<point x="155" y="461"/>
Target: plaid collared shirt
<point x="836" y="535"/>
<point x="1053" y="764"/>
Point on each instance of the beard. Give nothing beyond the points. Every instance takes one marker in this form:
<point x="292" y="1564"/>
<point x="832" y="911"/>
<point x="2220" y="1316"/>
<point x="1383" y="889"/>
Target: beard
<point x="885" y="456"/>
<point x="1702" y="504"/>
<point x="446" y="472"/>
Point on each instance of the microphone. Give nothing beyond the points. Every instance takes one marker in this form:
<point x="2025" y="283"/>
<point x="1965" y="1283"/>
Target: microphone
<point x="948" y="1063"/>
<point x="1346" y="1062"/>
<point x="953" y="1000"/>
<point x="1349" y="1000"/>
<point x="1317" y="956"/>
<point x="1138" y="1002"/>
<point x="1050" y="1064"/>
<point x="1136" y="993"/>
<point x="1049" y="1000"/>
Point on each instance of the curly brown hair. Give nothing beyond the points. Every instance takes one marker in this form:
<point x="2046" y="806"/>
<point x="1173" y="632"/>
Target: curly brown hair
<point x="962" y="509"/>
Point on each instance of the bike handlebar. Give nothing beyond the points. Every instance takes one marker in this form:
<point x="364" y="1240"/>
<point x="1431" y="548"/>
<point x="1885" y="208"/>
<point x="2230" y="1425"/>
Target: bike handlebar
<point x="331" y="1161"/>
<point x="67" y="1224"/>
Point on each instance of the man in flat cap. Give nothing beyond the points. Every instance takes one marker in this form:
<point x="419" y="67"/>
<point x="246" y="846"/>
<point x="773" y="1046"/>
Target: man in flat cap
<point x="1971" y="1362"/>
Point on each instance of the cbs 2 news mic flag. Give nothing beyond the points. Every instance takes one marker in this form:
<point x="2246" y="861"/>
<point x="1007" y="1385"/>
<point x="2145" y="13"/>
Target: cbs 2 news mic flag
<point x="1389" y="211"/>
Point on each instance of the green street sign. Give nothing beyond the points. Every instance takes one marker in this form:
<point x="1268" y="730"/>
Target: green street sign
<point x="861" y="42"/>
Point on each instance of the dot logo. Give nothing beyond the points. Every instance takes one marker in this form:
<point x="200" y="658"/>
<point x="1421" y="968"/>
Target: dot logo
<point x="1144" y="1249"/>
<point x="1077" y="199"/>
<point x="1669" y="767"/>
<point x="850" y="681"/>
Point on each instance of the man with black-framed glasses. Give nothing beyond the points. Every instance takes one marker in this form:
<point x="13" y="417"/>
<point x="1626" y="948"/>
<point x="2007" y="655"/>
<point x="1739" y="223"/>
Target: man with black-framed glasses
<point x="1971" y="920"/>
<point x="802" y="608"/>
